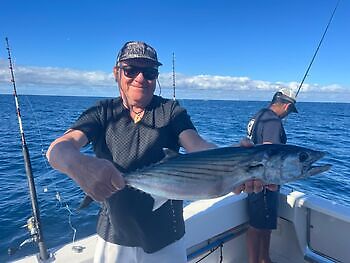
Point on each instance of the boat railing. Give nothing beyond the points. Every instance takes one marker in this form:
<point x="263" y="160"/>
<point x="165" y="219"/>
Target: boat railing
<point x="322" y="226"/>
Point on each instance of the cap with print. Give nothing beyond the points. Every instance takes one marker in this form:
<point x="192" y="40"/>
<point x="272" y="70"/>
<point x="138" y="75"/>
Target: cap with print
<point x="138" y="50"/>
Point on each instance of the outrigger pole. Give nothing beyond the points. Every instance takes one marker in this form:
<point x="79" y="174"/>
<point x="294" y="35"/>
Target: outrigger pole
<point x="318" y="47"/>
<point x="34" y="222"/>
<point x="174" y="85"/>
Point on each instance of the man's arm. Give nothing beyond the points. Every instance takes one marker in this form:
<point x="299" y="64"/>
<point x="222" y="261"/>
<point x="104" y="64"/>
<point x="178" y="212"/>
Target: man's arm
<point x="97" y="177"/>
<point x="191" y="141"/>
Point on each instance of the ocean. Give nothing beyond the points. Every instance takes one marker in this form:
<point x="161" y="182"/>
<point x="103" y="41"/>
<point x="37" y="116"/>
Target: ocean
<point x="322" y="126"/>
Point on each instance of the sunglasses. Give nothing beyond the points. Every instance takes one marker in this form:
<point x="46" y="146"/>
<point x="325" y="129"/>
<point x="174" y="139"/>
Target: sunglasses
<point x="133" y="71"/>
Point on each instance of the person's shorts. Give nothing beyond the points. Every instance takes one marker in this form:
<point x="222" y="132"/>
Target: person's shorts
<point x="262" y="209"/>
<point x="107" y="252"/>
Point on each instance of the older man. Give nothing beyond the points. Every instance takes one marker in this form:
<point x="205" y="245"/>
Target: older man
<point x="127" y="133"/>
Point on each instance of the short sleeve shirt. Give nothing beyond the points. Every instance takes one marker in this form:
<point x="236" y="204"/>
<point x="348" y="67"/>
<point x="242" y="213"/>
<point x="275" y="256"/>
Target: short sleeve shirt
<point x="268" y="128"/>
<point x="130" y="146"/>
<point x="262" y="207"/>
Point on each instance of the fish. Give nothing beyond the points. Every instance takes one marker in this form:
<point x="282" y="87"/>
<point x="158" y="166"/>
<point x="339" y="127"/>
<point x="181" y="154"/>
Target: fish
<point x="216" y="172"/>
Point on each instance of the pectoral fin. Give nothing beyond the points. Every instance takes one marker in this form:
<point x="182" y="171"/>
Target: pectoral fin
<point x="158" y="201"/>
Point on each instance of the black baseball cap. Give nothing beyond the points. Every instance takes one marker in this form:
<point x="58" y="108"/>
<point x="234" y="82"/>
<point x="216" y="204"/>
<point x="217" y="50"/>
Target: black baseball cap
<point x="138" y="50"/>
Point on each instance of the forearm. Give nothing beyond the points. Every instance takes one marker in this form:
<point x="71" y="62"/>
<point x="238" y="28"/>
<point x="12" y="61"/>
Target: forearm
<point x="193" y="142"/>
<point x="202" y="145"/>
<point x="67" y="158"/>
<point x="97" y="177"/>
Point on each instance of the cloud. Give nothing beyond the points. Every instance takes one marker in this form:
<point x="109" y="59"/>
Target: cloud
<point x="66" y="81"/>
<point x="244" y="88"/>
<point x="52" y="76"/>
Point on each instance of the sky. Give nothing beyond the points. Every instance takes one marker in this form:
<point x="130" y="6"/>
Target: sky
<point x="232" y="50"/>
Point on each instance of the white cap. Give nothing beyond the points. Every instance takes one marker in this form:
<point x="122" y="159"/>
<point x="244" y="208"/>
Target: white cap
<point x="289" y="93"/>
<point x="286" y="95"/>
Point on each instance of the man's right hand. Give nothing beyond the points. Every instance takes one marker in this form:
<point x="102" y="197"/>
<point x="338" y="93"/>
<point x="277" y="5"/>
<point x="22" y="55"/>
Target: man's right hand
<point x="99" y="178"/>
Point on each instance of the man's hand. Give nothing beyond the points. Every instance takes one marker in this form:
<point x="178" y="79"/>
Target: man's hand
<point x="254" y="186"/>
<point x="245" y="142"/>
<point x="99" y="178"/>
<point x="272" y="187"/>
<point x="251" y="186"/>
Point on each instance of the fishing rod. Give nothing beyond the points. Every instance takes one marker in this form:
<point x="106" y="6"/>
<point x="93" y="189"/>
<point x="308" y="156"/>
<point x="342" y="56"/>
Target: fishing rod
<point x="174" y="86"/>
<point x="33" y="223"/>
<point x="318" y="47"/>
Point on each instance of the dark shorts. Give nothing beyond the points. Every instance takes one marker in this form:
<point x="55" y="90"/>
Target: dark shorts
<point x="262" y="209"/>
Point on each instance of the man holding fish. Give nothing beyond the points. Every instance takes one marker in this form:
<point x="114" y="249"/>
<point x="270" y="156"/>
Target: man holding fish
<point x="129" y="134"/>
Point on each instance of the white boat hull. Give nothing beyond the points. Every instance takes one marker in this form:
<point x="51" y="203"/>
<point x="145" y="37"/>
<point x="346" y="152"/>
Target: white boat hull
<point x="310" y="229"/>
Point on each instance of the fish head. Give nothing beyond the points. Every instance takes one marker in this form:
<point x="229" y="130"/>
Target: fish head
<point x="286" y="163"/>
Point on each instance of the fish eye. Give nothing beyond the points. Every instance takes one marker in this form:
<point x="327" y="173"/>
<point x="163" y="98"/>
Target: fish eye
<point x="303" y="156"/>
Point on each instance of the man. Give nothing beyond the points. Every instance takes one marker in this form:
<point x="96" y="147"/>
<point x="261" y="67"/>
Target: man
<point x="266" y="127"/>
<point x="127" y="133"/>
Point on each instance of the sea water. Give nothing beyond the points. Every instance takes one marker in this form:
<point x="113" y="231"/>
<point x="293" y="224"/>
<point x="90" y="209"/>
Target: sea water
<point x="321" y="126"/>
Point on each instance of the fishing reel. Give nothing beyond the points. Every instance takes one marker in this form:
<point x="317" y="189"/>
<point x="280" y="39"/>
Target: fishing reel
<point x="33" y="230"/>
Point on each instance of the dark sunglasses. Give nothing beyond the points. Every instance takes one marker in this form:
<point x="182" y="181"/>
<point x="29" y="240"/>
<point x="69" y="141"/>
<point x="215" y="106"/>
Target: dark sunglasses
<point x="133" y="71"/>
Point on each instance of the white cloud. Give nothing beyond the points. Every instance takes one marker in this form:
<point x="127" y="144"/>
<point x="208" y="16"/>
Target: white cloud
<point x="51" y="76"/>
<point x="65" y="81"/>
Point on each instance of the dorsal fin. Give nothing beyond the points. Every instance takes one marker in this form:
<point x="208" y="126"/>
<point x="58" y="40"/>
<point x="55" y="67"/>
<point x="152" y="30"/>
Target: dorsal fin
<point x="169" y="154"/>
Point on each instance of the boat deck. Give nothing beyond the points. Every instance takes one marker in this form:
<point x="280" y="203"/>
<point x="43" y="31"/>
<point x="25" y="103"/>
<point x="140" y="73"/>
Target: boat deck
<point x="308" y="230"/>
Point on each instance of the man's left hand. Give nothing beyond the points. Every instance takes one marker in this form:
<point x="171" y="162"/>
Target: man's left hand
<point x="251" y="186"/>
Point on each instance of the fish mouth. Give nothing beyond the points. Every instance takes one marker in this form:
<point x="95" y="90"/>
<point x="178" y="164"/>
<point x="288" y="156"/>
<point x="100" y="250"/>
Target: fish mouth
<point x="318" y="169"/>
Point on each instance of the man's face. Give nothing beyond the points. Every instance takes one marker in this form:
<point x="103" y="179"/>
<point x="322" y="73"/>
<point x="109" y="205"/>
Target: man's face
<point x="285" y="110"/>
<point x="137" y="81"/>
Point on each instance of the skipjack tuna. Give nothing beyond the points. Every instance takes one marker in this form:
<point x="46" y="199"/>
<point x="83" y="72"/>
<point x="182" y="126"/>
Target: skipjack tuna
<point x="216" y="172"/>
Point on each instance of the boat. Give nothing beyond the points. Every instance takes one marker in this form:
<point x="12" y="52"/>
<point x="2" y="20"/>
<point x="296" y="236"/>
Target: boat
<point x="310" y="229"/>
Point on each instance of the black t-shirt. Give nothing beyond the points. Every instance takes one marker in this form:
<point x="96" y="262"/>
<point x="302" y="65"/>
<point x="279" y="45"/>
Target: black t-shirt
<point x="130" y="146"/>
<point x="266" y="126"/>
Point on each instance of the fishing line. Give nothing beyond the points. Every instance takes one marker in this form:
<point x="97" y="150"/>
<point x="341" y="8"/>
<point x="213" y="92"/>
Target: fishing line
<point x="316" y="51"/>
<point x="58" y="195"/>
<point x="318" y="47"/>
<point x="61" y="202"/>
<point x="70" y="223"/>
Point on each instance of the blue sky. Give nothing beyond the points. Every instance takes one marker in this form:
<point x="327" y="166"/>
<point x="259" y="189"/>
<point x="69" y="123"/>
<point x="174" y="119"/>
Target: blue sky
<point x="233" y="50"/>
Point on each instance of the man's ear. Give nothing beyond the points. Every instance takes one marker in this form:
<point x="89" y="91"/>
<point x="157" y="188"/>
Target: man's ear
<point x="115" y="72"/>
<point x="287" y="107"/>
